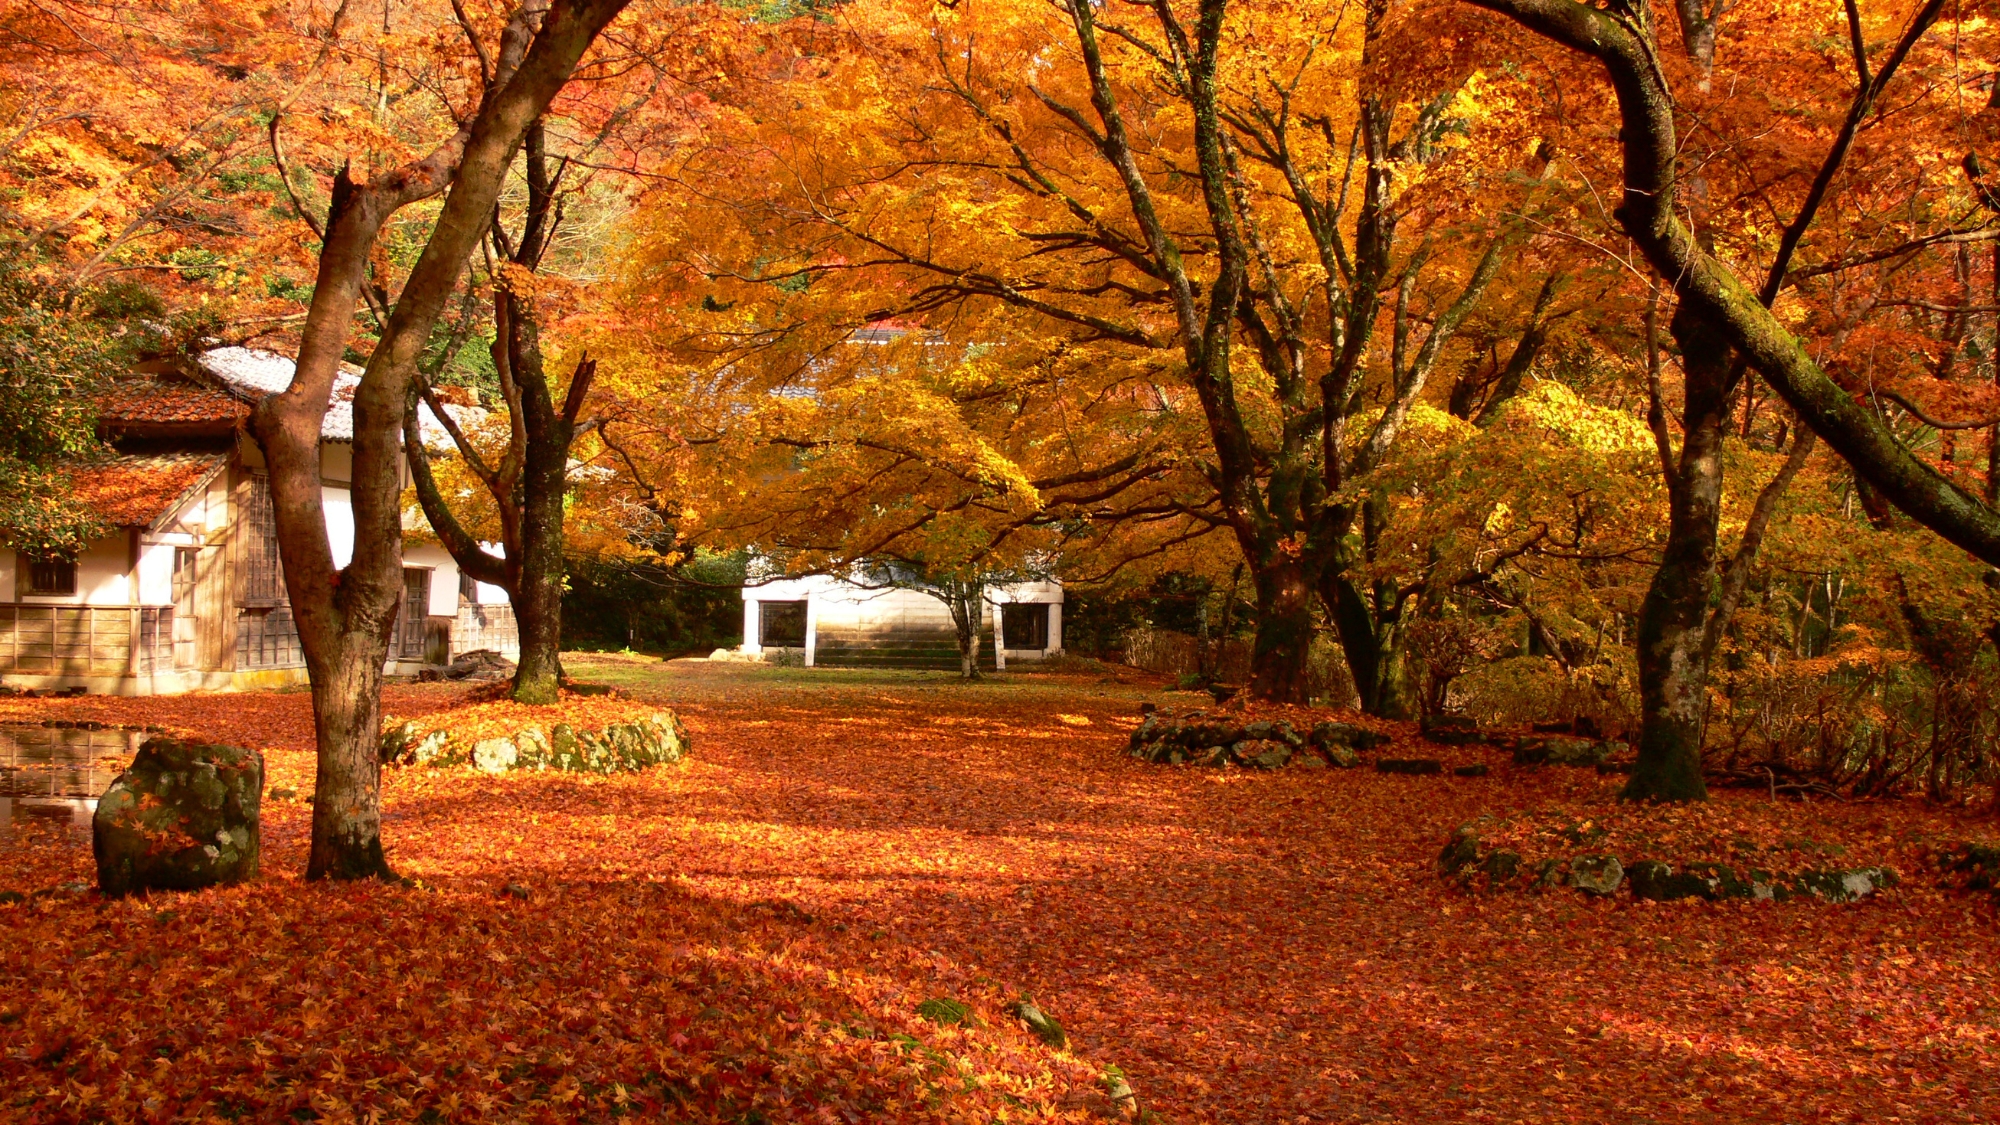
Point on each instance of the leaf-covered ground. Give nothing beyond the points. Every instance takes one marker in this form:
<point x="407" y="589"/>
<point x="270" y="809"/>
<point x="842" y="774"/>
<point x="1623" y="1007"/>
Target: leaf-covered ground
<point x="746" y="936"/>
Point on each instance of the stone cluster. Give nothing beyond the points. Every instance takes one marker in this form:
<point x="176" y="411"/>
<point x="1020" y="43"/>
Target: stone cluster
<point x="1539" y="749"/>
<point x="1209" y="740"/>
<point x="1466" y="858"/>
<point x="183" y="816"/>
<point x="619" y="747"/>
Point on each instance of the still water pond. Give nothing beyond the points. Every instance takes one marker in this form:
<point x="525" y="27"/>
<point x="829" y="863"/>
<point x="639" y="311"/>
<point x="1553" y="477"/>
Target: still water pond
<point x="54" y="775"/>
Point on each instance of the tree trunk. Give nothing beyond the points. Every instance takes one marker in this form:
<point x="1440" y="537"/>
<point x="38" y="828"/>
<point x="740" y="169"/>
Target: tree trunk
<point x="1371" y="638"/>
<point x="968" y="641"/>
<point x="538" y="607"/>
<point x="538" y="577"/>
<point x="1280" y="656"/>
<point x="1674" y="617"/>
<point x="345" y="616"/>
<point x="347" y="720"/>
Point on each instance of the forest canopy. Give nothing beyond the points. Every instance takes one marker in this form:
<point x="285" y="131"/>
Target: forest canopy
<point x="1477" y="366"/>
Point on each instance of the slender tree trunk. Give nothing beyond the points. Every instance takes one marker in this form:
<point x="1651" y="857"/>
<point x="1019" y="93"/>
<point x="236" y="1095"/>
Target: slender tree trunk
<point x="968" y="639"/>
<point x="1674" y="617"/>
<point x="538" y="577"/>
<point x="538" y="598"/>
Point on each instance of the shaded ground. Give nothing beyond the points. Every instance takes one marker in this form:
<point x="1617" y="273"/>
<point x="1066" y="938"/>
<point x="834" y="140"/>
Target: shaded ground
<point x="1246" y="947"/>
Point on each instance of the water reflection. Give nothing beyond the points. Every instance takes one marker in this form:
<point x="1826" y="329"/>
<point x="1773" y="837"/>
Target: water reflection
<point x="54" y="775"/>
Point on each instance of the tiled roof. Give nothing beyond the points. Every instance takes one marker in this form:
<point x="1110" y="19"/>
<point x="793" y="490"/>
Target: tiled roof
<point x="137" y="491"/>
<point x="144" y="401"/>
<point x="252" y="373"/>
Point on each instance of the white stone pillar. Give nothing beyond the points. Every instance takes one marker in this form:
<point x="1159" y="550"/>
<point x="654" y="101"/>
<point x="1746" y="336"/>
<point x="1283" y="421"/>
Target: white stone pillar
<point x="1055" y="628"/>
<point x="812" y="628"/>
<point x="750" y="623"/>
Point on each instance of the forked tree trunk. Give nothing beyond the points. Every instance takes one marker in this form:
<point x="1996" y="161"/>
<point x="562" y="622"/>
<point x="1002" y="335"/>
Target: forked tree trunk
<point x="344" y="616"/>
<point x="531" y="480"/>
<point x="1371" y="638"/>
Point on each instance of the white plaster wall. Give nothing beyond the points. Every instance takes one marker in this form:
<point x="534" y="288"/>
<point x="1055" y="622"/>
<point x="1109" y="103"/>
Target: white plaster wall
<point x="339" y="508"/>
<point x="444" y="577"/>
<point x="156" y="573"/>
<point x="483" y="593"/>
<point x="101" y="573"/>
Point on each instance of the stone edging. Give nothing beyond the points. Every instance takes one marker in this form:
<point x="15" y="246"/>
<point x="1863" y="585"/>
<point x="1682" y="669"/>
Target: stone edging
<point x="1467" y="860"/>
<point x="619" y="747"/>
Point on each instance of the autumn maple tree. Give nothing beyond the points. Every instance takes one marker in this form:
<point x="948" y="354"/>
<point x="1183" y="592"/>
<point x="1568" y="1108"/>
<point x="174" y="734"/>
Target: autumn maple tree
<point x="345" y="614"/>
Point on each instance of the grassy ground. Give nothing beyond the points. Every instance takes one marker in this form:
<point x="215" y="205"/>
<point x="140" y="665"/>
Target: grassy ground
<point x="747" y="936"/>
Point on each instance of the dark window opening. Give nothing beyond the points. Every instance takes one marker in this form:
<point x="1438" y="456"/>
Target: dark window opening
<point x="781" y="624"/>
<point x="416" y="606"/>
<point x="1024" y="626"/>
<point x="50" y="573"/>
<point x="263" y="573"/>
<point x="268" y="638"/>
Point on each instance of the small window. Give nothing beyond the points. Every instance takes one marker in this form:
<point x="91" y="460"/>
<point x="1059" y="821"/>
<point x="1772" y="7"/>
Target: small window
<point x="1024" y="626"/>
<point x="50" y="573"/>
<point x="185" y="559"/>
<point x="781" y="624"/>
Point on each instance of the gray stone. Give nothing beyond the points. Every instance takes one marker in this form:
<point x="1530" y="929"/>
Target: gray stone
<point x="1844" y="886"/>
<point x="1659" y="882"/>
<point x="1451" y="730"/>
<point x="495" y="755"/>
<point x="1501" y="865"/>
<point x="183" y="816"/>
<point x="1263" y="753"/>
<point x="1460" y="851"/>
<point x="1596" y="874"/>
<point x="1409" y="765"/>
<point x="1041" y="1023"/>
<point x="1978" y="861"/>
<point x="1329" y="733"/>
<point x="1554" y="750"/>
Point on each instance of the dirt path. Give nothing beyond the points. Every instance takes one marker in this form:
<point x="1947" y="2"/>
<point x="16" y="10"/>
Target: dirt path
<point x="1245" y="947"/>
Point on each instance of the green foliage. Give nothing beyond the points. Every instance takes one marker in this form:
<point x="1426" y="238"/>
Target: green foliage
<point x="651" y="606"/>
<point x="50" y="360"/>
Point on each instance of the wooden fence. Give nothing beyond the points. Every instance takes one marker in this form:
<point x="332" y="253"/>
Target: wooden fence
<point x="84" y="640"/>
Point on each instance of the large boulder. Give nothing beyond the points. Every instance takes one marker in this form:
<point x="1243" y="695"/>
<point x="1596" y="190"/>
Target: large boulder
<point x="184" y="816"/>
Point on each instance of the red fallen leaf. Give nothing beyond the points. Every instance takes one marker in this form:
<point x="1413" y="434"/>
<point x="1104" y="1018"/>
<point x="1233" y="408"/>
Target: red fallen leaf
<point x="754" y="928"/>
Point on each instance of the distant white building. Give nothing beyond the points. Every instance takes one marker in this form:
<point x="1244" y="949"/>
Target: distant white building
<point x="187" y="590"/>
<point x="836" y="623"/>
